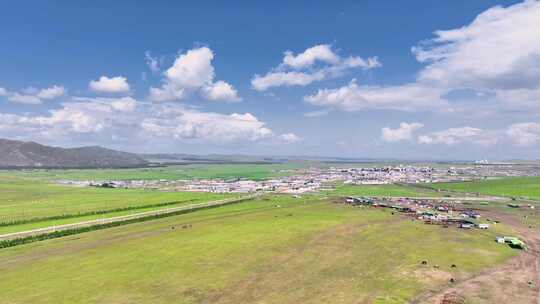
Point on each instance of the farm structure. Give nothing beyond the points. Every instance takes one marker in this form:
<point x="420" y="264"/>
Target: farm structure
<point x="513" y="242"/>
<point x="430" y="211"/>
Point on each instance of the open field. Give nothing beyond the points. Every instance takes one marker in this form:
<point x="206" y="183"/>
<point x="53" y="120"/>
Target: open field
<point x="50" y="232"/>
<point x="26" y="200"/>
<point x="276" y="249"/>
<point x="525" y="187"/>
<point x="176" y="172"/>
<point x="381" y="190"/>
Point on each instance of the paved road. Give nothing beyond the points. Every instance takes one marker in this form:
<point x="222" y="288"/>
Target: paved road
<point x="46" y="230"/>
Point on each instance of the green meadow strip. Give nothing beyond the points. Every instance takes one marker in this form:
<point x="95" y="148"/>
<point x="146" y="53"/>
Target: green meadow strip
<point x="89" y="213"/>
<point x="68" y="232"/>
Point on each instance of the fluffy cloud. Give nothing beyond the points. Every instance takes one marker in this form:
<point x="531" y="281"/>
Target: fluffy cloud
<point x="34" y="96"/>
<point x="26" y="99"/>
<point x="289" y="138"/>
<point x="151" y="62"/>
<point x="78" y="117"/>
<point x="220" y="90"/>
<point x="517" y="99"/>
<point x="193" y="71"/>
<point x="101" y="119"/>
<point x="194" y="126"/>
<point x="105" y="84"/>
<point x="52" y="92"/>
<point x="322" y="52"/>
<point x="123" y="104"/>
<point x="301" y="69"/>
<point x="497" y="54"/>
<point x="277" y="79"/>
<point x="408" y="97"/>
<point x="404" y="132"/>
<point x="498" y="50"/>
<point x="166" y="93"/>
<point x="520" y="134"/>
<point x="454" y="136"/>
<point x="108" y="119"/>
<point x="126" y="104"/>
<point x="524" y="134"/>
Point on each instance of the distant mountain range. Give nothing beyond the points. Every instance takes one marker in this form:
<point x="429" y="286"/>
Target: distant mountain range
<point x="21" y="154"/>
<point x="28" y="154"/>
<point x="177" y="158"/>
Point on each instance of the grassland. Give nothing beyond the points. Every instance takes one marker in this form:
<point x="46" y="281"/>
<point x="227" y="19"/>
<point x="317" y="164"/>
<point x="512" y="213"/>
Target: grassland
<point x="381" y="190"/>
<point x="271" y="250"/>
<point x="23" y="200"/>
<point x="29" y="196"/>
<point x="524" y="187"/>
<point x="224" y="171"/>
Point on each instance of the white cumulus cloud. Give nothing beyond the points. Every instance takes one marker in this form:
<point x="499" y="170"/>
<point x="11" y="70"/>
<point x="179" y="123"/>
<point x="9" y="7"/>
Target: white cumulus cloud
<point x="193" y="72"/>
<point x="498" y="54"/>
<point x="52" y="92"/>
<point x="408" y="97"/>
<point x="193" y="126"/>
<point x="25" y="99"/>
<point x="34" y="96"/>
<point x="524" y="134"/>
<point x="192" y="69"/>
<point x="499" y="50"/>
<point x="460" y="135"/>
<point x="302" y="69"/>
<point x="166" y="93"/>
<point x="220" y="91"/>
<point x="322" y="52"/>
<point x="289" y="138"/>
<point x="404" y="132"/>
<point x="105" y="84"/>
<point x="105" y="120"/>
<point x="292" y="78"/>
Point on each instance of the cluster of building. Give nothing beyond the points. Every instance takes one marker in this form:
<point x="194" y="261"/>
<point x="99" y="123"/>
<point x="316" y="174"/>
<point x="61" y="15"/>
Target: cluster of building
<point x="313" y="179"/>
<point x="435" y="212"/>
<point x="483" y="169"/>
<point x="293" y="185"/>
<point x="300" y="181"/>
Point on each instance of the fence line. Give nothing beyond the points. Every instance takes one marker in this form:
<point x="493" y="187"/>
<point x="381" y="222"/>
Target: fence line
<point x="103" y="221"/>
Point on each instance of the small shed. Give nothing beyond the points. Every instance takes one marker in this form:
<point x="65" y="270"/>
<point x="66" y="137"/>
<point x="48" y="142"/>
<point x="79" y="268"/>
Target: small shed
<point x="466" y="226"/>
<point x="514" y="242"/>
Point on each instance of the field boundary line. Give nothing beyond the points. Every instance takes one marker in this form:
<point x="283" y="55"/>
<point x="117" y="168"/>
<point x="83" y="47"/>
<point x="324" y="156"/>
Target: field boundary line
<point x="90" y="213"/>
<point x="22" y="237"/>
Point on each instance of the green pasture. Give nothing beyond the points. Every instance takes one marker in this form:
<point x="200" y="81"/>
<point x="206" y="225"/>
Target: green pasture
<point x="381" y="190"/>
<point x="276" y="249"/>
<point x="23" y="199"/>
<point x="524" y="187"/>
<point x="224" y="171"/>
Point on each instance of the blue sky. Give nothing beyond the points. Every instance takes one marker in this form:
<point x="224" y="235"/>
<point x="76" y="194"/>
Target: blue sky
<point x="361" y="79"/>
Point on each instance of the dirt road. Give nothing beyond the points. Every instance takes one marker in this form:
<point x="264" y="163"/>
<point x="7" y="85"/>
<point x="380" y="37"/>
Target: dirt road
<point x="41" y="231"/>
<point x="517" y="281"/>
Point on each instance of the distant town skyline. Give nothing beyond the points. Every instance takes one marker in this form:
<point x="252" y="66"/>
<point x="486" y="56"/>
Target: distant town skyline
<point x="403" y="80"/>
